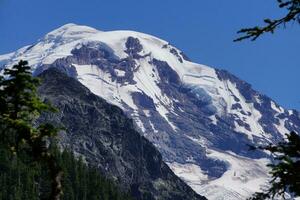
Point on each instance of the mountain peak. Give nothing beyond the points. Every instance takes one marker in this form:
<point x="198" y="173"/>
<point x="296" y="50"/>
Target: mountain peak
<point x="201" y="119"/>
<point x="60" y="42"/>
<point x="72" y="31"/>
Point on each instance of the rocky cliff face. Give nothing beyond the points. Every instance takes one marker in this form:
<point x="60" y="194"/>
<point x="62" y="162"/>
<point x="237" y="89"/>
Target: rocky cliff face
<point x="105" y="137"/>
<point x="201" y="119"/>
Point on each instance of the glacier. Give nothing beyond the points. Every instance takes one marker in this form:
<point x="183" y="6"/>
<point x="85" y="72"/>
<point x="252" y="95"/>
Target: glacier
<point x="200" y="118"/>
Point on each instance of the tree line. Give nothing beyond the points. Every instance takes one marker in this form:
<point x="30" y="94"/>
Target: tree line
<point x="31" y="165"/>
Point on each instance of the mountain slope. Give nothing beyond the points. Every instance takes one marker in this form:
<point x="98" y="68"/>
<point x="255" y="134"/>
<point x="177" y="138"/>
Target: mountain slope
<point x="201" y="119"/>
<point x="105" y="138"/>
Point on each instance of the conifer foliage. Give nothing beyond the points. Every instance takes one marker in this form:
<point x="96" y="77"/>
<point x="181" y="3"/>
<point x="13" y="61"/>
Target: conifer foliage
<point x="30" y="167"/>
<point x="285" y="170"/>
<point x="293" y="15"/>
<point x="21" y="180"/>
<point x="20" y="106"/>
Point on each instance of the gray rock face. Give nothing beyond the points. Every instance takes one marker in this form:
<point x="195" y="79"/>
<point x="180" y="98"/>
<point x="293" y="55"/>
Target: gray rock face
<point x="175" y="146"/>
<point x="103" y="135"/>
<point x="191" y="113"/>
<point x="179" y="54"/>
<point x="133" y="47"/>
<point x="270" y="116"/>
<point x="200" y="119"/>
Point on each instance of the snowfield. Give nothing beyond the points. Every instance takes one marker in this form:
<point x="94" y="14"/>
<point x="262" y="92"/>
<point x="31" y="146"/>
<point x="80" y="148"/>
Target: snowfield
<point x="192" y="113"/>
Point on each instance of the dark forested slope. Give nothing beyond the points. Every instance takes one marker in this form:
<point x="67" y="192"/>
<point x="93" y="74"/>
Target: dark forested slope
<point x="106" y="139"/>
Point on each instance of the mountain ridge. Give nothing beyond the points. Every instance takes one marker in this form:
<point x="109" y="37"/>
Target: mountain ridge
<point x="105" y="138"/>
<point x="201" y="119"/>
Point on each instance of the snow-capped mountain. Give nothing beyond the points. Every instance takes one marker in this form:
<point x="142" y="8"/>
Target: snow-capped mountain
<point x="201" y="119"/>
<point x="104" y="137"/>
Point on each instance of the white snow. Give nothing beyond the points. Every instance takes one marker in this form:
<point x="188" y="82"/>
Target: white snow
<point x="258" y="100"/>
<point x="281" y="127"/>
<point x="277" y="108"/>
<point x="101" y="84"/>
<point x="60" y="42"/>
<point x="244" y="175"/>
<point x="291" y="112"/>
<point x="190" y="173"/>
<point x="153" y="127"/>
<point x="214" y="119"/>
<point x="255" y="128"/>
<point x="120" y="73"/>
<point x="222" y="97"/>
<point x="147" y="113"/>
<point x="202" y="141"/>
<point x="6" y="56"/>
<point x="135" y="117"/>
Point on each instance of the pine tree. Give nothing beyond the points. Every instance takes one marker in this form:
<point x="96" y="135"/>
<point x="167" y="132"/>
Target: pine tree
<point x="285" y="171"/>
<point x="20" y="106"/>
<point x="35" y="178"/>
<point x="29" y="168"/>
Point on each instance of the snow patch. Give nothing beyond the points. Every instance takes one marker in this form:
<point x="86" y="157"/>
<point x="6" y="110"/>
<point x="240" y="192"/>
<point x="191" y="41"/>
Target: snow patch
<point x="243" y="177"/>
<point x="277" y="108"/>
<point x="190" y="173"/>
<point x="153" y="127"/>
<point x="281" y="127"/>
<point x="120" y="73"/>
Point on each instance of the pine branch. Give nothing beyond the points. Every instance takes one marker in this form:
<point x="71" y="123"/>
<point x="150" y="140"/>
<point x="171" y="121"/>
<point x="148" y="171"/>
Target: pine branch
<point x="293" y="15"/>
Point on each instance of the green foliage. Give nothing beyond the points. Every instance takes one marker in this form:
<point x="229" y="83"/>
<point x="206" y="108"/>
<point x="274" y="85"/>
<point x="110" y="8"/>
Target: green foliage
<point x="286" y="170"/>
<point x="20" y="179"/>
<point x="29" y="168"/>
<point x="293" y="14"/>
<point x="20" y="107"/>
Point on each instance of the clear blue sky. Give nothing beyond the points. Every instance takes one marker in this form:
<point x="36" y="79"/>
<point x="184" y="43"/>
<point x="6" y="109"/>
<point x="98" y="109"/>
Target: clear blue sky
<point x="203" y="29"/>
